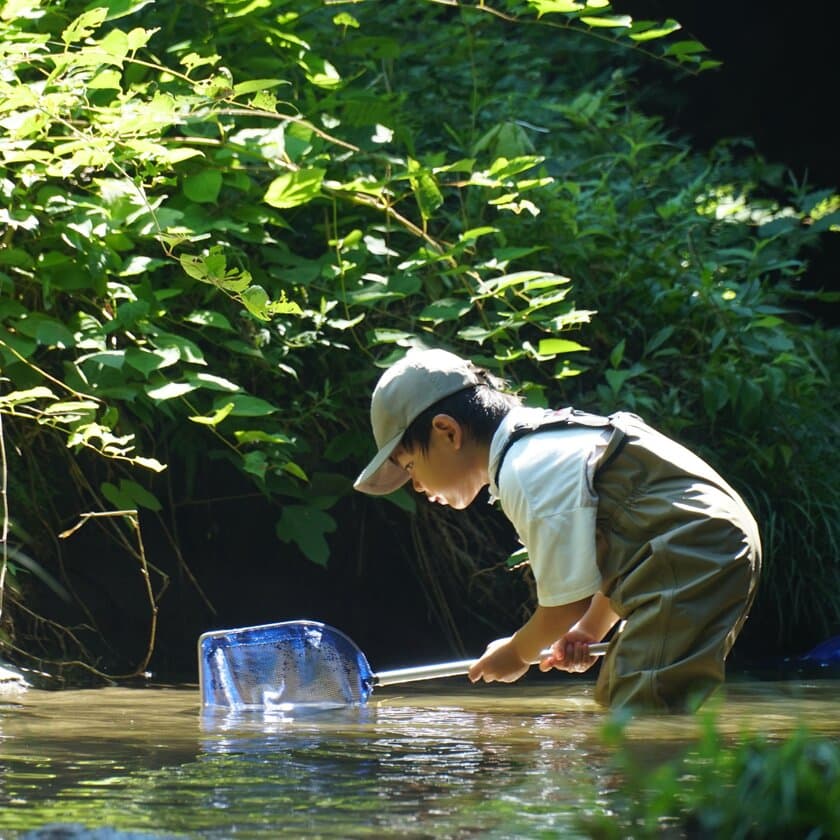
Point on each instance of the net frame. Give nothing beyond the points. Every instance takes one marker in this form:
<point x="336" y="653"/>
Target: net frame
<point x="288" y="664"/>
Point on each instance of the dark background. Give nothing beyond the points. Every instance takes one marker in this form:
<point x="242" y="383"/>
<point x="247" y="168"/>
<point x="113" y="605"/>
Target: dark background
<point x="778" y="86"/>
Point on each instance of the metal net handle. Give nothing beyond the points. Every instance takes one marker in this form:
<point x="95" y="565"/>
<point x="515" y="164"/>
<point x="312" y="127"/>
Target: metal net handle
<point x="450" y="669"/>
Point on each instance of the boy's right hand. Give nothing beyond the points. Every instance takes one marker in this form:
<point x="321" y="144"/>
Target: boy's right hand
<point x="570" y="653"/>
<point x="499" y="662"/>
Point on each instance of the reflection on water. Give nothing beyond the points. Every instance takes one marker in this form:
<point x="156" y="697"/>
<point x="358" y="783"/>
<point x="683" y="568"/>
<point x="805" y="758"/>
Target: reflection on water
<point x="441" y="760"/>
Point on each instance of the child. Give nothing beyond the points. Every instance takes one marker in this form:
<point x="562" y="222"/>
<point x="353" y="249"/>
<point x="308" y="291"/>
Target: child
<point x="619" y="522"/>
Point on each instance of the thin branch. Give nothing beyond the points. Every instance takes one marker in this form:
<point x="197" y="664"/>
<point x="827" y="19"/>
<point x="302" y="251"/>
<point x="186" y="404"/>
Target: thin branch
<point x="133" y="518"/>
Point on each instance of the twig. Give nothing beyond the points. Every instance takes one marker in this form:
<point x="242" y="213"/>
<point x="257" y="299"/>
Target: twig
<point x="132" y="516"/>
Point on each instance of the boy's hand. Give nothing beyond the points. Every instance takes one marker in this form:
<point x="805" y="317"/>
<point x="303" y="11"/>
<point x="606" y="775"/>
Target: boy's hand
<point x="499" y="662"/>
<point x="570" y="653"/>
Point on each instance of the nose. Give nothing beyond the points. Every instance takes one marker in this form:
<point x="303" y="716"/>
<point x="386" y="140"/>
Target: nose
<point x="418" y="487"/>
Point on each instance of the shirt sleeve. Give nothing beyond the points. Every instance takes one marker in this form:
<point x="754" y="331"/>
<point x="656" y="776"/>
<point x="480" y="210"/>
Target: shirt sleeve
<point x="561" y="551"/>
<point x="545" y="491"/>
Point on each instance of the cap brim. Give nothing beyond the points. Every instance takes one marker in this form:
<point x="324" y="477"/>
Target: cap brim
<point x="382" y="476"/>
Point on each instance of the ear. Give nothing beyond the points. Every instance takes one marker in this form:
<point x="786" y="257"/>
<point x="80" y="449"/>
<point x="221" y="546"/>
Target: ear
<point x="449" y="429"/>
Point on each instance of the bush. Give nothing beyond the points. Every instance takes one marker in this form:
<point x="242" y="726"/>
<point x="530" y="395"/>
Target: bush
<point x="223" y="219"/>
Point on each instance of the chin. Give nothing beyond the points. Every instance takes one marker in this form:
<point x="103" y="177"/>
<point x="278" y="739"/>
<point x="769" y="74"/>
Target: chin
<point x="463" y="504"/>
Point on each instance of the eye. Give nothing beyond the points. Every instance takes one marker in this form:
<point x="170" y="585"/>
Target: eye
<point x="409" y="467"/>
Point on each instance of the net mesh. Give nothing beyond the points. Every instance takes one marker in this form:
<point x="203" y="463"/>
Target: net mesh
<point x="285" y="665"/>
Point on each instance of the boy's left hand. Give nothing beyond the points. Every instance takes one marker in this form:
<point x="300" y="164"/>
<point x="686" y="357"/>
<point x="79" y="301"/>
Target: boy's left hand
<point x="570" y="653"/>
<point x="499" y="662"/>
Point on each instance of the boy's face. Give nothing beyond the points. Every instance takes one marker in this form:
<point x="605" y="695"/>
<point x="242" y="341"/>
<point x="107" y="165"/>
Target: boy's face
<point x="453" y="469"/>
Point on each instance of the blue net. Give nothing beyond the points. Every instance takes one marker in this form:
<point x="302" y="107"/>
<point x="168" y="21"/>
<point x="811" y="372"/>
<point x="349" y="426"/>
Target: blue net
<point x="286" y="665"/>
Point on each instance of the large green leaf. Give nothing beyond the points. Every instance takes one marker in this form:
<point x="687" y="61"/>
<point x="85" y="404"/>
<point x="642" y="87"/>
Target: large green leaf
<point x="306" y="526"/>
<point x="291" y="189"/>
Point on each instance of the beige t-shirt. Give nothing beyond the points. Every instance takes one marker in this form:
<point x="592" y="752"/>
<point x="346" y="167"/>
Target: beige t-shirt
<point x="545" y="489"/>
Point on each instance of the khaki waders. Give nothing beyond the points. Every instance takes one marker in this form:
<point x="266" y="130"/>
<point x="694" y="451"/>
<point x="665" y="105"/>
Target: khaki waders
<point x="680" y="555"/>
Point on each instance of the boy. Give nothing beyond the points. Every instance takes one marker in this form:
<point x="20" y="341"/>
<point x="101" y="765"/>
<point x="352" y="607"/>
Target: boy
<point x="619" y="522"/>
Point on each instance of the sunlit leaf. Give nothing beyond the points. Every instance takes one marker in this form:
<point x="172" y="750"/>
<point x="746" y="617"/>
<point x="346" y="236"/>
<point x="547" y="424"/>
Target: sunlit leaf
<point x="292" y="189"/>
<point x="170" y="390"/>
<point x="39" y="392"/>
<point x="245" y="405"/>
<point x="215" y="417"/>
<point x="611" y="21"/>
<point x="84" y="26"/>
<point x="642" y="31"/>
<point x="544" y="7"/>
<point x="253" y="85"/>
<point x="553" y="346"/>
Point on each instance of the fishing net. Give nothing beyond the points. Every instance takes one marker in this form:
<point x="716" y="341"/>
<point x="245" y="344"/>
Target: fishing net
<point x="285" y="665"/>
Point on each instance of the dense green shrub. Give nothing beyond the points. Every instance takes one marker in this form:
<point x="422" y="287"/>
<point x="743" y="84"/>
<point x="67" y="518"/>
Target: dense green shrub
<point x="222" y="218"/>
<point x="751" y="788"/>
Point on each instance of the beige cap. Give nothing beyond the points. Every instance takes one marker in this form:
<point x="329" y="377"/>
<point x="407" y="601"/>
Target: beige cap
<point x="407" y="388"/>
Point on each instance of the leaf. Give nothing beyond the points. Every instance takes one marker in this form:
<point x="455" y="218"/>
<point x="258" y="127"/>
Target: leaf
<point x="291" y="189"/>
<point x="553" y="346"/>
<point x="306" y="526"/>
<point x="715" y="395"/>
<point x="685" y="48"/>
<point x="425" y="189"/>
<point x="209" y="318"/>
<point x="320" y="72"/>
<point x="106" y="80"/>
<point x="211" y="381"/>
<point x="545" y="7"/>
<point x="641" y="31"/>
<point x="170" y="391"/>
<point x="472" y="235"/>
<point x="616" y="378"/>
<point x="617" y="353"/>
<point x="84" y="26"/>
<point x="121" y="8"/>
<point x="215" y="418"/>
<point x="203" y="187"/>
<point x="245" y="405"/>
<point x="255" y="463"/>
<point x="129" y="496"/>
<point x="608" y="21"/>
<point x="256" y="302"/>
<point x="528" y="279"/>
<point x="659" y="338"/>
<point x="147" y="361"/>
<point x="23" y="397"/>
<point x="149" y="463"/>
<point x="445" y="309"/>
<point x="345" y="19"/>
<point x="254" y="85"/>
<point x="258" y="436"/>
<point x="106" y="358"/>
<point x="52" y="333"/>
<point x="188" y="351"/>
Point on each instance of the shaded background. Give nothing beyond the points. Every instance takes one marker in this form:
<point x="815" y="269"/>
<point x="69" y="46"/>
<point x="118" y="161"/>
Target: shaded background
<point x="778" y="86"/>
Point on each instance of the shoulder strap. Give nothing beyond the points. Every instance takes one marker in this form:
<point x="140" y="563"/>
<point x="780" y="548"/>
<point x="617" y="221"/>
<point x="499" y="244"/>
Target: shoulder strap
<point x="562" y="417"/>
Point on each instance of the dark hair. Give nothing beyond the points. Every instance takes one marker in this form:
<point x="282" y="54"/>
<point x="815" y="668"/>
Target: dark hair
<point x="478" y="408"/>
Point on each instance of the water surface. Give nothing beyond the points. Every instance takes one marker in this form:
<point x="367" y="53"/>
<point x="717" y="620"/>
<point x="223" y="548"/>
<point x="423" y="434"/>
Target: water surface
<point x="442" y="759"/>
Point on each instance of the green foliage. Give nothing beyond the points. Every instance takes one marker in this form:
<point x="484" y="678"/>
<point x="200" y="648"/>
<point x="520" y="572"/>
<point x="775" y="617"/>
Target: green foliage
<point x="158" y="212"/>
<point x="221" y="219"/>
<point x="752" y="788"/>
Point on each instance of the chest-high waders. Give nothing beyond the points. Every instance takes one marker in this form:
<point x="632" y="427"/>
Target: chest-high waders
<point x="679" y="555"/>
